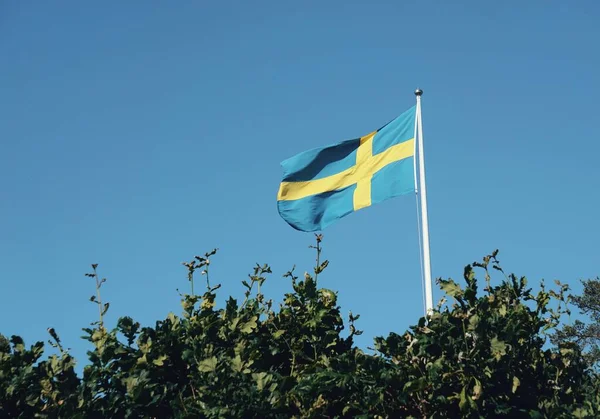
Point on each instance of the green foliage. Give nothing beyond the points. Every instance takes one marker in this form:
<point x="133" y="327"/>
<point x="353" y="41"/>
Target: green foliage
<point x="585" y="335"/>
<point x="482" y="356"/>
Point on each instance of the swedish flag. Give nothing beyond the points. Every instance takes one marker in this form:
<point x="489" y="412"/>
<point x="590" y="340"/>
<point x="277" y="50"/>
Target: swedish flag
<point x="322" y="185"/>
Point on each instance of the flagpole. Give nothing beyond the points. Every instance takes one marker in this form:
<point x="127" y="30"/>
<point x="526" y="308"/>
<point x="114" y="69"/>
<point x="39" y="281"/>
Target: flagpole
<point x="424" y="219"/>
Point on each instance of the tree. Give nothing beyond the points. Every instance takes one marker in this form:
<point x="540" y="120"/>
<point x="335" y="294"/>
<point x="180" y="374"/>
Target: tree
<point x="482" y="356"/>
<point x="585" y="335"/>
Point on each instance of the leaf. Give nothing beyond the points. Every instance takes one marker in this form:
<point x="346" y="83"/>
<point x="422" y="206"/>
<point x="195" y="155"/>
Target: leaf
<point x="131" y="383"/>
<point x="46" y="385"/>
<point x="208" y="364"/>
<point x="321" y="267"/>
<point x="451" y="288"/>
<point x="415" y="385"/>
<point x="249" y="326"/>
<point x="160" y="360"/>
<point x="208" y="302"/>
<point x="173" y="319"/>
<point x="498" y="348"/>
<point x="462" y="404"/>
<point x="97" y="335"/>
<point x="52" y="332"/>
<point x="516" y="384"/>
<point x="564" y="351"/>
<point x="187" y="355"/>
<point x="245" y="283"/>
<point x="262" y="379"/>
<point x="234" y="323"/>
<point x="237" y="364"/>
<point x="473" y="322"/>
<point x="476" y="390"/>
<point x="278" y="334"/>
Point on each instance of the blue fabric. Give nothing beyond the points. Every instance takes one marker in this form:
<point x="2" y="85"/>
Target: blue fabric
<point x="316" y="212"/>
<point x="396" y="131"/>
<point x="320" y="162"/>
<point x="393" y="180"/>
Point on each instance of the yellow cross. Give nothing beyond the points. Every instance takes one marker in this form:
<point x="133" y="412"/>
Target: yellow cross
<point x="362" y="193"/>
<point x="360" y="174"/>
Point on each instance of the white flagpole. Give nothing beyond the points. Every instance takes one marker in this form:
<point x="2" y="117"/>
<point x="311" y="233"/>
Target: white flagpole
<point x="423" y="199"/>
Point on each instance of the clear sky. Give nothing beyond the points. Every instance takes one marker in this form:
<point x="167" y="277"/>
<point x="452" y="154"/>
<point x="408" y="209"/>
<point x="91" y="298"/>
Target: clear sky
<point x="138" y="135"/>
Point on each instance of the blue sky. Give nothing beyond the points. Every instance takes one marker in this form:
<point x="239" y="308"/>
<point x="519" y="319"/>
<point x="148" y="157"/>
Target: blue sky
<point x="137" y="136"/>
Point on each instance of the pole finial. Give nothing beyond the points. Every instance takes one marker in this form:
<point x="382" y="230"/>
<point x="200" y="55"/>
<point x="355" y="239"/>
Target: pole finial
<point x="418" y="92"/>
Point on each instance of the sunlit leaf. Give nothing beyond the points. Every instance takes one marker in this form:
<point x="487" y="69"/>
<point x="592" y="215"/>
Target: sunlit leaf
<point x="208" y="364"/>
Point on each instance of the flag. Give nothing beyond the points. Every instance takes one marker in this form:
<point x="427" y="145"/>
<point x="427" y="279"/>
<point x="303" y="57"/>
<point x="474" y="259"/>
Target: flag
<point x="322" y="185"/>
